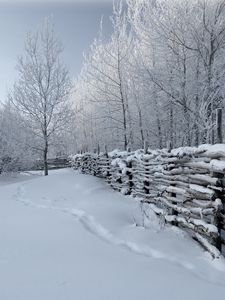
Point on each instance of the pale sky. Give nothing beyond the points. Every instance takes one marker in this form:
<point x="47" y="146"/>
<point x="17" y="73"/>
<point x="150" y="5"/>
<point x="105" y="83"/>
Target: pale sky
<point x="76" y="24"/>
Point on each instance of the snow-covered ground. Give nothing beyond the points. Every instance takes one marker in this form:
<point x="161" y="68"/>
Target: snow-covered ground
<point x="69" y="236"/>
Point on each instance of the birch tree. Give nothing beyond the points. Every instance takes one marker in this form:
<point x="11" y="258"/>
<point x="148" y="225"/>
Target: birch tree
<point x="105" y="71"/>
<point x="188" y="38"/>
<point x="41" y="94"/>
<point x="159" y="78"/>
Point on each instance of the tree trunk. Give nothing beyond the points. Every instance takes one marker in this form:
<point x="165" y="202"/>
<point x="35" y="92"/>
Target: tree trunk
<point x="124" y="116"/>
<point x="187" y="124"/>
<point x="45" y="135"/>
<point x="45" y="160"/>
<point x="171" y="129"/>
<point x="141" y="126"/>
<point x="197" y="119"/>
<point x="219" y="126"/>
<point x="123" y="103"/>
<point x="159" y="133"/>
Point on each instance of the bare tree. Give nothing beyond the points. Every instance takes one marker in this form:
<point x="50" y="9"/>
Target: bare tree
<point x="188" y="37"/>
<point x="106" y="75"/>
<point x="159" y="78"/>
<point x="41" y="93"/>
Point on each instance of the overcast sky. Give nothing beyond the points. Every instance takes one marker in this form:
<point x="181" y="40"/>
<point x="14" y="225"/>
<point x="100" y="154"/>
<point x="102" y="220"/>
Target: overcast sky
<point x="76" y="23"/>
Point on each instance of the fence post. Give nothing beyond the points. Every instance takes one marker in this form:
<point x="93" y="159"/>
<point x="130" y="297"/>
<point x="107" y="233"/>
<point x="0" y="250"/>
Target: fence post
<point x="146" y="169"/>
<point x="217" y="220"/>
<point x="174" y="212"/>
<point x="129" y="174"/>
<point x="107" y="166"/>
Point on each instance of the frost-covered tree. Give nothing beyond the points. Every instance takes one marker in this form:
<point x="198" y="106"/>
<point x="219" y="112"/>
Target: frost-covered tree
<point x="41" y="94"/>
<point x="15" y="137"/>
<point x="188" y="42"/>
<point x="105" y="75"/>
<point x="160" y="77"/>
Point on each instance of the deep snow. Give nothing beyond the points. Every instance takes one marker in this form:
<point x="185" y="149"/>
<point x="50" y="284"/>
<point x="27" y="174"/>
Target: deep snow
<point x="69" y="236"/>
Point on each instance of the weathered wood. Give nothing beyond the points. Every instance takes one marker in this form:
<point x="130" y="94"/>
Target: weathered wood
<point x="186" y="183"/>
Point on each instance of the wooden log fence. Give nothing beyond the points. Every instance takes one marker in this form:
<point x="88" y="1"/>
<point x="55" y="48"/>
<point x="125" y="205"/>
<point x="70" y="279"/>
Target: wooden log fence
<point x="185" y="186"/>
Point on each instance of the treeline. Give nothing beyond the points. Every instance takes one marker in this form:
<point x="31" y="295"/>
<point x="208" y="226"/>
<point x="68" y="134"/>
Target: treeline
<point x="159" y="78"/>
<point x="15" y="154"/>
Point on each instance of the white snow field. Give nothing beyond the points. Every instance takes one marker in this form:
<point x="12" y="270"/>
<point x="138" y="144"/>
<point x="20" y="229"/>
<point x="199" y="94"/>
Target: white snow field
<point x="68" y="236"/>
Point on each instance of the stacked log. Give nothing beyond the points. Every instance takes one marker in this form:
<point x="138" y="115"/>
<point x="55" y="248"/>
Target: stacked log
<point x="185" y="186"/>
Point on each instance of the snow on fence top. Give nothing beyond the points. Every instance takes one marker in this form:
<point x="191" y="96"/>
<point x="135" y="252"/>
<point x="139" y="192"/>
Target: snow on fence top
<point x="185" y="186"/>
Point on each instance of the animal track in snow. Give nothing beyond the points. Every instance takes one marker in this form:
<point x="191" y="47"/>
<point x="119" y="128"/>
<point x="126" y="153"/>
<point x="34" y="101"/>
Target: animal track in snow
<point x="95" y="228"/>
